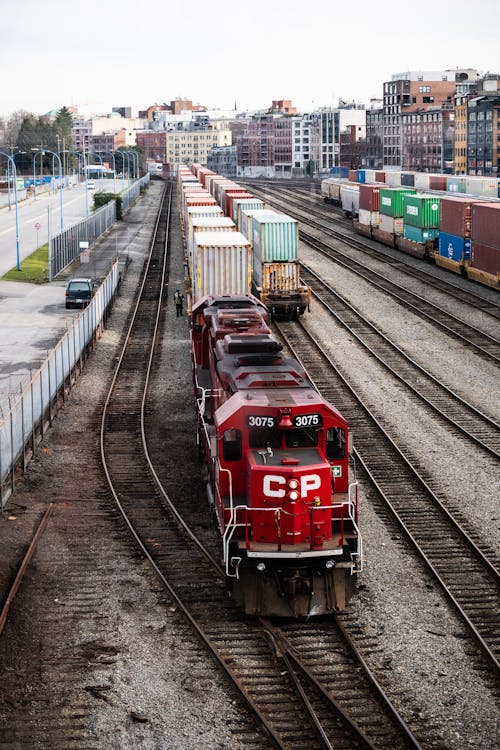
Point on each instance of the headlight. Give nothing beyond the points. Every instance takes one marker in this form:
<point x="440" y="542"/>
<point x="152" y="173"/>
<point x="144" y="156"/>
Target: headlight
<point x="293" y="484"/>
<point x="261" y="567"/>
<point x="293" y="495"/>
<point x="329" y="564"/>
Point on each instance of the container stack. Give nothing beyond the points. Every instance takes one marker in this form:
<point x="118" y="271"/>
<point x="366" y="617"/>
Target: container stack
<point x="421" y="218"/>
<point x="391" y="208"/>
<point x="369" y="214"/>
<point x="218" y="223"/>
<point x="485" y="244"/>
<point x="455" y="223"/>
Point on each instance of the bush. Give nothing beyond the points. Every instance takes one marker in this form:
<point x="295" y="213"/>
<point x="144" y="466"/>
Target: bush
<point x="100" y="199"/>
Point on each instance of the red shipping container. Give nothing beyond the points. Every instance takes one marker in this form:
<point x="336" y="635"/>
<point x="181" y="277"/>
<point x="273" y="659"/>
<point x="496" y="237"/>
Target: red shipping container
<point x="352" y="175"/>
<point x="437" y="182"/>
<point x="225" y="192"/>
<point x="380" y="176"/>
<point x="486" y="224"/>
<point x="229" y="202"/>
<point x="369" y="197"/>
<point x="485" y="258"/>
<point x="456" y="216"/>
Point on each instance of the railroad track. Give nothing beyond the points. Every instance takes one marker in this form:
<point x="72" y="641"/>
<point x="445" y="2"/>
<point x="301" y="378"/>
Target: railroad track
<point x="486" y="345"/>
<point x="467" y="574"/>
<point x="292" y="710"/>
<point x="477" y="426"/>
<point x="376" y="250"/>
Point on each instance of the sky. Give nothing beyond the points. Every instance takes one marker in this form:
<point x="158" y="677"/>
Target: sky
<point x="99" y="54"/>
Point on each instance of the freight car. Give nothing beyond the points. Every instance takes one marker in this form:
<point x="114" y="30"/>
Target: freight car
<point x="451" y="221"/>
<point x="277" y="467"/>
<point x="270" y="261"/>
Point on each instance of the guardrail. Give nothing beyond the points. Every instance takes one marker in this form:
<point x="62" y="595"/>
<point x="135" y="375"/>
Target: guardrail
<point x="26" y="417"/>
<point x="65" y="247"/>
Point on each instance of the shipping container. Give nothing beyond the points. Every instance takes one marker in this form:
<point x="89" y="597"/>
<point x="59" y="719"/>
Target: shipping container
<point x="243" y="204"/>
<point x="370" y="175"/>
<point x="339" y="171"/>
<point x="419" y="234"/>
<point x="485" y="258"/>
<point x="391" y="200"/>
<point x="274" y="238"/>
<point x="380" y="177"/>
<point x="369" y="197"/>
<point x="485" y="186"/>
<point x="393" y="179"/>
<point x="456" y="216"/>
<point x="408" y="179"/>
<point x="227" y="199"/>
<point x="421" y="210"/>
<point x="361" y="176"/>
<point x="330" y="188"/>
<point x="455" y="184"/>
<point x="206" y="224"/>
<point x="369" y="218"/>
<point x="453" y="247"/>
<point x="221" y="264"/>
<point x="437" y="182"/>
<point x="422" y="181"/>
<point x="246" y="219"/>
<point x="391" y="225"/>
<point x="485" y="225"/>
<point x="351" y="175"/>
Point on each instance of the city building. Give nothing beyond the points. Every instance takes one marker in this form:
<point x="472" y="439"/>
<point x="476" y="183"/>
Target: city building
<point x="407" y="93"/>
<point x="428" y="138"/>
<point x="223" y="160"/>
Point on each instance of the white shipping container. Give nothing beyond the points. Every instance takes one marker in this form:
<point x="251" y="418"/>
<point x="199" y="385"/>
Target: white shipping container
<point x="422" y="181"/>
<point x="393" y="179"/>
<point x="487" y="186"/>
<point x="221" y="263"/>
<point x="370" y="176"/>
<point x="369" y="218"/>
<point x="219" y="223"/>
<point x="391" y="225"/>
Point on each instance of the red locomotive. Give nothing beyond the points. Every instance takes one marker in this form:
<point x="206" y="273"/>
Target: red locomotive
<point x="276" y="454"/>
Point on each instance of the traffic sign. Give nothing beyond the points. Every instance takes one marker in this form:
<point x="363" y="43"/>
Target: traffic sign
<point x="37" y="226"/>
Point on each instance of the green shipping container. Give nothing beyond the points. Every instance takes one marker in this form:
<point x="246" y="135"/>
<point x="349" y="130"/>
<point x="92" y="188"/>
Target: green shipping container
<point x="417" y="234"/>
<point x="391" y="200"/>
<point x="421" y="211"/>
<point x="274" y="238"/>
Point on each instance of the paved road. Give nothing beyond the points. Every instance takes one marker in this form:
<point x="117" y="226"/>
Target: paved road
<point x="45" y="211"/>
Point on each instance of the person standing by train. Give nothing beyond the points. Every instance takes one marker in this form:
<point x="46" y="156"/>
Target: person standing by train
<point x="179" y="302"/>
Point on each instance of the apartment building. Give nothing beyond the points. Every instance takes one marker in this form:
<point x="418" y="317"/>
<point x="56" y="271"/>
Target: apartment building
<point x="182" y="146"/>
<point x="428" y="137"/>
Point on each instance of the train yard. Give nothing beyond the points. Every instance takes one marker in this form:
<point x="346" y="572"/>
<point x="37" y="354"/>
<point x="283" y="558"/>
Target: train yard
<point x="416" y="386"/>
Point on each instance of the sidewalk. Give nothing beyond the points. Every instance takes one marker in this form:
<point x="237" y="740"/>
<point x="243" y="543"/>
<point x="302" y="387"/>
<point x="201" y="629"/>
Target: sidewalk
<point x="33" y="317"/>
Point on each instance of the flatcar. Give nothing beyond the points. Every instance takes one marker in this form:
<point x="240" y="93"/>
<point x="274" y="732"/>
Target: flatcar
<point x="278" y="475"/>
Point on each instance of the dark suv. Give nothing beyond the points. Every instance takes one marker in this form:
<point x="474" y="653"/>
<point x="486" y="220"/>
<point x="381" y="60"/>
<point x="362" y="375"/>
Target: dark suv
<point x="79" y="292"/>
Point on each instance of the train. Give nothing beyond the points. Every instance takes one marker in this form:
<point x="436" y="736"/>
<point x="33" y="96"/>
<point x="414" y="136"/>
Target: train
<point x="431" y="217"/>
<point x="234" y="243"/>
<point x="276" y="458"/>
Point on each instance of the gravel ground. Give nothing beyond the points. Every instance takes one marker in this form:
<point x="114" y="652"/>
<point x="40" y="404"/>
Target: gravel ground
<point x="179" y="701"/>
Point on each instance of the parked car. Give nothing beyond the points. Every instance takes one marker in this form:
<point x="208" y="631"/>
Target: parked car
<point x="79" y="292"/>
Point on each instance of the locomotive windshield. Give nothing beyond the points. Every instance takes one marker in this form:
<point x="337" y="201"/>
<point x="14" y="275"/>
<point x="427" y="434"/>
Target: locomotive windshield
<point x="265" y="438"/>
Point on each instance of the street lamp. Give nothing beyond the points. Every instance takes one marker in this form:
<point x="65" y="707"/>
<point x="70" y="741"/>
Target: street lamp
<point x="122" y="154"/>
<point x="134" y="156"/>
<point x="79" y="155"/>
<point x="18" y="259"/>
<point x="46" y="150"/>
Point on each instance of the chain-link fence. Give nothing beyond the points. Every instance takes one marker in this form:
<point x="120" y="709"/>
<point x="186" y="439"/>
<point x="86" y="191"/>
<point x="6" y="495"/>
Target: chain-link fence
<point x="25" y="418"/>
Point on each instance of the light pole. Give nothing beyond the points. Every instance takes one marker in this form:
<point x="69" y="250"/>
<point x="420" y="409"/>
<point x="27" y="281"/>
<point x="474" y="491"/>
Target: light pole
<point x="60" y="180"/>
<point x="76" y="153"/>
<point x="14" y="170"/>
<point x="122" y="154"/>
<point x="112" y="154"/>
<point x="134" y="155"/>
